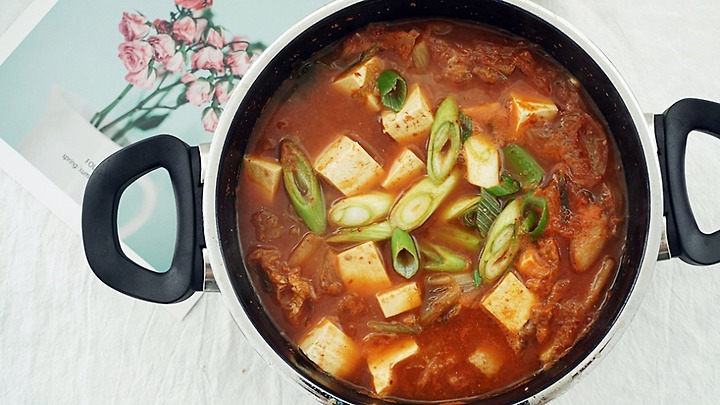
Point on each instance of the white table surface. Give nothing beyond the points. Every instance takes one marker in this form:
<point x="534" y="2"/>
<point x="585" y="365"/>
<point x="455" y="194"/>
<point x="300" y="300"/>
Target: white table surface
<point x="65" y="338"/>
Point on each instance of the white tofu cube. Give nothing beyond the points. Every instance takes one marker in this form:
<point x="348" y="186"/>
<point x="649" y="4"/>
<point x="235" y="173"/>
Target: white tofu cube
<point x="399" y="299"/>
<point x="348" y="167"/>
<point x="510" y="303"/>
<point x="413" y="120"/>
<point x="486" y="361"/>
<point x="529" y="110"/>
<point x="361" y="268"/>
<point x="264" y="172"/>
<point x="382" y="361"/>
<point x="406" y="167"/>
<point x="359" y="82"/>
<point x="331" y="349"/>
<point x="482" y="161"/>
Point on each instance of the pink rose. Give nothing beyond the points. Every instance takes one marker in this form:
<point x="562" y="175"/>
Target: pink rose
<point x="208" y="58"/>
<point x="209" y="119"/>
<point x="194" y="4"/>
<point x="201" y="24"/>
<point x="184" y="29"/>
<point x="222" y="91"/>
<point x="188" y="78"/>
<point x="163" y="47"/>
<point x="239" y="62"/>
<point x="175" y="63"/>
<point x="133" y="26"/>
<point x="162" y="26"/>
<point x="143" y="79"/>
<point x="215" y="39"/>
<point x="135" y="55"/>
<point x="239" y="43"/>
<point x="198" y="92"/>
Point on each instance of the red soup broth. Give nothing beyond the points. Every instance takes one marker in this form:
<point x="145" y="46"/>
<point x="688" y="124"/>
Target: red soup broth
<point x="467" y="350"/>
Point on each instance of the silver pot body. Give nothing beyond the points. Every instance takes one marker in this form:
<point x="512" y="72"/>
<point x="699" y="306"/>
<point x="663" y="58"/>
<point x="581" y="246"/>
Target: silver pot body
<point x="633" y="134"/>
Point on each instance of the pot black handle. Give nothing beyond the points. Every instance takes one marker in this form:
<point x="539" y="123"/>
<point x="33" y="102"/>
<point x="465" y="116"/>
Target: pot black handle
<point x="672" y="129"/>
<point x="100" y="229"/>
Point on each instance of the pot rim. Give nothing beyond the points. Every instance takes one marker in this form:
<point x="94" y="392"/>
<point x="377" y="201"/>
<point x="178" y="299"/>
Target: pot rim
<point x="222" y="273"/>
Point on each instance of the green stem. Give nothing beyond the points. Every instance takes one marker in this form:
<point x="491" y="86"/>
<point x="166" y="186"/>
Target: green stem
<point x="142" y="102"/>
<point x="100" y="116"/>
<point x="160" y="107"/>
<point x="146" y="111"/>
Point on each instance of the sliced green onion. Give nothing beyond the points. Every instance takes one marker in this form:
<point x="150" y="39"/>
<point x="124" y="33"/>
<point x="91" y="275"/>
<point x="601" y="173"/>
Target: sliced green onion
<point x="364" y="57"/>
<point x="533" y="207"/>
<point x="369" y="53"/>
<point x="440" y="258"/>
<point x="420" y="201"/>
<point x="459" y="207"/>
<point x="394" y="327"/>
<point x="507" y="186"/>
<point x="525" y="168"/>
<point x="404" y="253"/>
<point x="466" y="127"/>
<point x="374" y="232"/>
<point x="531" y="218"/>
<point x="483" y="214"/>
<point x="360" y="210"/>
<point x="487" y="211"/>
<point x="393" y="89"/>
<point x="502" y="243"/>
<point x="303" y="187"/>
<point x="444" y="142"/>
<point x="458" y="237"/>
<point x="477" y="278"/>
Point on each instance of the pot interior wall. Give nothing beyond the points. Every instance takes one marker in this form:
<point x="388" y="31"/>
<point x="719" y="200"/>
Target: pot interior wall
<point x="501" y="15"/>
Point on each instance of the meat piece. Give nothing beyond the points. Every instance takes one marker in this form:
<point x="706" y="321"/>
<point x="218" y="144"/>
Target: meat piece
<point x="543" y="314"/>
<point x="435" y="370"/>
<point x="352" y="306"/>
<point x="519" y="341"/>
<point x="294" y="293"/>
<point x="570" y="324"/>
<point x="267" y="225"/>
<point x="488" y="74"/>
<point x="328" y="278"/>
<point x="402" y="42"/>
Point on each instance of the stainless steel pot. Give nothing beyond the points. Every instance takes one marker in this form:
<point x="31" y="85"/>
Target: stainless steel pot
<point x="208" y="254"/>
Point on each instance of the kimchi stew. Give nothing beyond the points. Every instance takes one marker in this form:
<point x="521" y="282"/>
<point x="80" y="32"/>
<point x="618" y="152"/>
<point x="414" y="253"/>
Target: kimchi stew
<point x="432" y="209"/>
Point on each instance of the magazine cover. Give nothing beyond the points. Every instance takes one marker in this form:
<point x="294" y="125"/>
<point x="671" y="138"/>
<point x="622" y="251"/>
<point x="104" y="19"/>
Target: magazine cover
<point x="93" y="77"/>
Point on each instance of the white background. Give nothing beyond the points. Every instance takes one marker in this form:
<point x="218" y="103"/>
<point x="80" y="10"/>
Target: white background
<point x="66" y="338"/>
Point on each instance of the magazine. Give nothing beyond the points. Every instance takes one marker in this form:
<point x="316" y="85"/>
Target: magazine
<point x="90" y="78"/>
